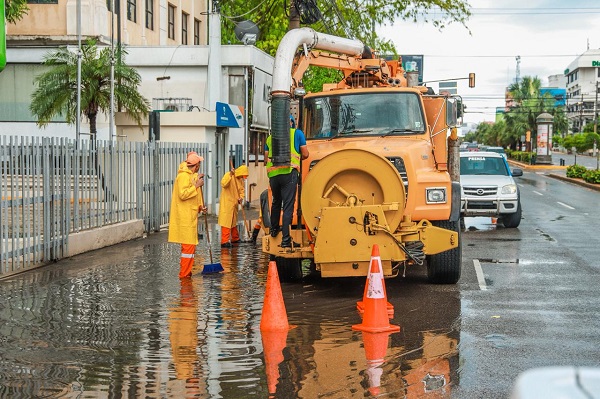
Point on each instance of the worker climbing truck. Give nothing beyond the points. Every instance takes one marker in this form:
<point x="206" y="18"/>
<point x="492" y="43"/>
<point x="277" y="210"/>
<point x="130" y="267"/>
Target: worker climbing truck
<point x="382" y="169"/>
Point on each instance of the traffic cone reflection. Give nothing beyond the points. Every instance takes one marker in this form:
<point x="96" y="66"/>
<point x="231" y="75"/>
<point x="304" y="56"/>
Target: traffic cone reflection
<point x="273" y="327"/>
<point x="375" y="350"/>
<point x="273" y="344"/>
<point x="375" y="317"/>
<point x="274" y="316"/>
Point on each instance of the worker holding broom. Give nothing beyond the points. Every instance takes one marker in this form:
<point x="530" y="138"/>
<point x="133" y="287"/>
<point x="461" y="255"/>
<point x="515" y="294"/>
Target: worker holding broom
<point x="186" y="202"/>
<point x="232" y="195"/>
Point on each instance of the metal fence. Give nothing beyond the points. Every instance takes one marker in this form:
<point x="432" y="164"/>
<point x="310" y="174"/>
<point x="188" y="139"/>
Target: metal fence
<point x="53" y="187"/>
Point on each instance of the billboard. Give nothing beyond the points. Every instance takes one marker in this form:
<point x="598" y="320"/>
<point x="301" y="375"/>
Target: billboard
<point x="410" y="63"/>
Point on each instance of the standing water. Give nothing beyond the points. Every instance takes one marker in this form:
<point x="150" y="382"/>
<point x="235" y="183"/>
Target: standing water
<point x="118" y="322"/>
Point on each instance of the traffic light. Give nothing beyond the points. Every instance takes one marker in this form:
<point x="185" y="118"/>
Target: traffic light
<point x="471" y="79"/>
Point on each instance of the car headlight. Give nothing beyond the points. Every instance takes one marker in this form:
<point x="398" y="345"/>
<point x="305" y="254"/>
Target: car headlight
<point x="509" y="189"/>
<point x="436" y="195"/>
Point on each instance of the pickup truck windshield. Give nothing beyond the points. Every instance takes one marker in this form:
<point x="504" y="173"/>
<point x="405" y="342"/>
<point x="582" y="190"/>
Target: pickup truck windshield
<point x="482" y="165"/>
<point x="367" y="114"/>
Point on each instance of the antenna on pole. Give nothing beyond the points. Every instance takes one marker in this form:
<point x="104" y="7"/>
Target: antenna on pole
<point x="518" y="71"/>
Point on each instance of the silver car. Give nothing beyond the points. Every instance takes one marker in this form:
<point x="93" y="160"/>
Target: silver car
<point x="488" y="187"/>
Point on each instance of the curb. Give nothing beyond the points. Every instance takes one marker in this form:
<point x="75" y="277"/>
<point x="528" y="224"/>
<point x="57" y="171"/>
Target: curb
<point x="526" y="166"/>
<point x="579" y="182"/>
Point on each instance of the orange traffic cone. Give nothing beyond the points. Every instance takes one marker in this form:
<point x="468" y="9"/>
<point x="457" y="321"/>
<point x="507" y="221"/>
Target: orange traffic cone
<point x="375" y="350"/>
<point x="274" y="316"/>
<point x="273" y="344"/>
<point x="375" y="318"/>
<point x="360" y="305"/>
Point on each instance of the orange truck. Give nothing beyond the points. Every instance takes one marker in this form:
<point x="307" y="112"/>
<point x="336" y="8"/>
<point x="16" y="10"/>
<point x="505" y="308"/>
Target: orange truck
<point x="383" y="164"/>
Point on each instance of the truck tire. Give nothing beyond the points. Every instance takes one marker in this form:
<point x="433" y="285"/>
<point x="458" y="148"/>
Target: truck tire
<point x="444" y="268"/>
<point x="512" y="220"/>
<point x="289" y="269"/>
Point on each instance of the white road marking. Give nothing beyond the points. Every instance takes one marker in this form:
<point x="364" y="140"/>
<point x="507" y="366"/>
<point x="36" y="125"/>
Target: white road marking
<point x="479" y="272"/>
<point x="565" y="205"/>
<point x="538" y="193"/>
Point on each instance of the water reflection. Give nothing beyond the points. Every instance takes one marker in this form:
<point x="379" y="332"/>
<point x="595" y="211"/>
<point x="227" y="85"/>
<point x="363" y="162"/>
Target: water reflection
<point x="183" y="323"/>
<point x="120" y="323"/>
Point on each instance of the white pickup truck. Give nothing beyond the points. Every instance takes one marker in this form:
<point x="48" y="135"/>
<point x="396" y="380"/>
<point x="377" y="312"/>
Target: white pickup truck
<point x="488" y="187"/>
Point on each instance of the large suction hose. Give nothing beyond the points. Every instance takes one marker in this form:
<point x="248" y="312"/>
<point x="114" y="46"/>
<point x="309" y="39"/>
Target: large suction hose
<point x="282" y="81"/>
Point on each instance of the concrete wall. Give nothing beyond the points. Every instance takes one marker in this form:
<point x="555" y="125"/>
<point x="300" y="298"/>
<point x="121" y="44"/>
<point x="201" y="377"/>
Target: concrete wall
<point x="90" y="240"/>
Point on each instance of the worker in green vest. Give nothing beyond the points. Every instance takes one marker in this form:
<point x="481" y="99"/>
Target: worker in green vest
<point x="284" y="182"/>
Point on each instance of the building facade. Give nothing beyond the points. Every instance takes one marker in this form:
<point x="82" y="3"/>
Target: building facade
<point x="583" y="77"/>
<point x="166" y="42"/>
<point x="130" y="22"/>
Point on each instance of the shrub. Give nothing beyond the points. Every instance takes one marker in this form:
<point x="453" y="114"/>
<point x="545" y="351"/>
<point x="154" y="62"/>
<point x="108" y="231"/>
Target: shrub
<point x="520" y="156"/>
<point x="592" y="176"/>
<point x="576" y="171"/>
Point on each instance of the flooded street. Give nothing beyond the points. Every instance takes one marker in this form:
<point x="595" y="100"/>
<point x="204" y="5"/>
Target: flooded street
<point x="119" y="323"/>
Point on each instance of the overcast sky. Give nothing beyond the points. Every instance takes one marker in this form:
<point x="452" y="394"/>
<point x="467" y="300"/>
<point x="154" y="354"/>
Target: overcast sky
<point x="547" y="34"/>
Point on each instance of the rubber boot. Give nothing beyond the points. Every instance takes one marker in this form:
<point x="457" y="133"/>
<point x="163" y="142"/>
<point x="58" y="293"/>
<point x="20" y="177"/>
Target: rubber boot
<point x="255" y="234"/>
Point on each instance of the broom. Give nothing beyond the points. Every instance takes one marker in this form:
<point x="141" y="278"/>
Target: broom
<point x="211" y="267"/>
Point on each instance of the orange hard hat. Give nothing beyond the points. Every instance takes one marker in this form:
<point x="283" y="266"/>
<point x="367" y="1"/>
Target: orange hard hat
<point x="193" y="158"/>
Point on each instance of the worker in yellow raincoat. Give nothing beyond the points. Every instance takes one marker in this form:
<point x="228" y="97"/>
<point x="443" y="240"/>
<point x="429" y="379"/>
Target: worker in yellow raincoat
<point x="186" y="202"/>
<point x="232" y="194"/>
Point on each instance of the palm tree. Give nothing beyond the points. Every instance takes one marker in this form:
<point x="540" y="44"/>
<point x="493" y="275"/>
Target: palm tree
<point x="56" y="94"/>
<point x="529" y="103"/>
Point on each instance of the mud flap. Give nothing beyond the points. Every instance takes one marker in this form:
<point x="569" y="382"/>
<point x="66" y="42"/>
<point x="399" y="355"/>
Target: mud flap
<point x="455" y="210"/>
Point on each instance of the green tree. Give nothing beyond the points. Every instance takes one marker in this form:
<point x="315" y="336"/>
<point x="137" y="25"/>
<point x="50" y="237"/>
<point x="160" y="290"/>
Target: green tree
<point x="56" y="92"/>
<point x="15" y="10"/>
<point x="528" y="104"/>
<point x="560" y="122"/>
<point x="346" y="18"/>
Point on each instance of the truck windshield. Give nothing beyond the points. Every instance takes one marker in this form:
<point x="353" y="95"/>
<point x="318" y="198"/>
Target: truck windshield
<point x="368" y="114"/>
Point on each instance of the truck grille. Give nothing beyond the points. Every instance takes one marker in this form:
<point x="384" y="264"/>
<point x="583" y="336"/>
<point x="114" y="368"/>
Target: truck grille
<point x="399" y="165"/>
<point x="480" y="191"/>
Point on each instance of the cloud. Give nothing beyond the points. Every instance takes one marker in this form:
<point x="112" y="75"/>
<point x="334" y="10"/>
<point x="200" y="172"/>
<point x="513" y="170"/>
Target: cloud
<point x="547" y="35"/>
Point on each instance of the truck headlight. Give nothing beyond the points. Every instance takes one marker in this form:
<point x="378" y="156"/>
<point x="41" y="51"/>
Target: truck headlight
<point x="436" y="195"/>
<point x="509" y="189"/>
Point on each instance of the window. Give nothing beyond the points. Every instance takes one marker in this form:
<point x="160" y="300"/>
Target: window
<point x="131" y="10"/>
<point x="171" y="22"/>
<point x="184" y="28"/>
<point x="360" y="115"/>
<point x="196" y="31"/>
<point x="109" y="5"/>
<point x="150" y="14"/>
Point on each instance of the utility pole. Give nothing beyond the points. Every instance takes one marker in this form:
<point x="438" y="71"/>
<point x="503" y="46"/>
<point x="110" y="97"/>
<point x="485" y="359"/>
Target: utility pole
<point x="596" y="110"/>
<point x="581" y="115"/>
<point x="294" y="22"/>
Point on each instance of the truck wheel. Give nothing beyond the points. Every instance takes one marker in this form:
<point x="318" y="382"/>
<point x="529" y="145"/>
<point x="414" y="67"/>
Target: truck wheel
<point x="444" y="268"/>
<point x="289" y="269"/>
<point x="512" y="220"/>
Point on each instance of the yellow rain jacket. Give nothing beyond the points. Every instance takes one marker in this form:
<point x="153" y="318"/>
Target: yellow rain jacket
<point x="228" y="205"/>
<point x="186" y="201"/>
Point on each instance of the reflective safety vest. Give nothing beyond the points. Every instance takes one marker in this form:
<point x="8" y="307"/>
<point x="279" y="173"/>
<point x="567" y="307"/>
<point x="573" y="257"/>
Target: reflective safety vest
<point x="283" y="169"/>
